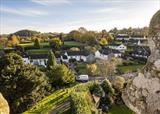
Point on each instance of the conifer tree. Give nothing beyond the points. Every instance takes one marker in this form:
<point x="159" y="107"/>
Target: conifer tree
<point x="51" y="60"/>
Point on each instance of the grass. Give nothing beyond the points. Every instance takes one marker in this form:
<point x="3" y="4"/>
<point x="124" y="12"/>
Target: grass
<point x="38" y="51"/>
<point x="120" y="109"/>
<point x="1" y="46"/>
<point x="32" y="43"/>
<point x="130" y="68"/>
<point x="81" y="68"/>
<point x="66" y="111"/>
<point x="48" y="103"/>
<point x="73" y="43"/>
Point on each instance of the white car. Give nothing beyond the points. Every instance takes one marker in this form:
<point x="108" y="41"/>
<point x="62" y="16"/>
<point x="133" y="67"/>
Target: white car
<point x="82" y="78"/>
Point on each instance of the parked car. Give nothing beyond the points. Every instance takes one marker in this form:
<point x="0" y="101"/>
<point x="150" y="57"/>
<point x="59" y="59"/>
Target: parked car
<point x="82" y="78"/>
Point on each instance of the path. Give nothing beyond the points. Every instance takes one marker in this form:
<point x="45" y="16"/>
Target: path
<point x="60" y="106"/>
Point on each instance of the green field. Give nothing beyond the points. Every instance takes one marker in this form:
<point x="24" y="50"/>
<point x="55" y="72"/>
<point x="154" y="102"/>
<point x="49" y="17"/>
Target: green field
<point x="73" y="43"/>
<point x="81" y="68"/>
<point x="120" y="109"/>
<point x="31" y="44"/>
<point x="49" y="102"/>
<point x="130" y="68"/>
<point x="1" y="46"/>
<point x="38" y="51"/>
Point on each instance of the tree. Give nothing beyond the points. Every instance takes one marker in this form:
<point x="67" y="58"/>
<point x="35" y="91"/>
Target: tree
<point x="91" y="69"/>
<point x="51" y="60"/>
<point x="74" y="49"/>
<point x="107" y="67"/>
<point x="103" y="41"/>
<point x="22" y="85"/>
<point x="119" y="83"/>
<point x="60" y="75"/>
<point x="56" y="43"/>
<point x="37" y="43"/>
<point x="12" y="40"/>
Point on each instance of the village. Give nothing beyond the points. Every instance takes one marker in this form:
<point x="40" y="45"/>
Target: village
<point x="132" y="50"/>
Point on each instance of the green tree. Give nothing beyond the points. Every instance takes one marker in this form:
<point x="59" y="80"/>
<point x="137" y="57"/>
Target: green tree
<point x="51" y="60"/>
<point x="60" y="75"/>
<point x="37" y="43"/>
<point x="22" y="85"/>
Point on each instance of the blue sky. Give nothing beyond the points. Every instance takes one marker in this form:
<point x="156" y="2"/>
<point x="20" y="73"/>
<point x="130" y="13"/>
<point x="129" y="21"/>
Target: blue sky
<point x="66" y="15"/>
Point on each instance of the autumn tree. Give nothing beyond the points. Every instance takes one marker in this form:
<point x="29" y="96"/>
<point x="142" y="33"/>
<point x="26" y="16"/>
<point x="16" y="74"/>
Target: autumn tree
<point x="12" y="40"/>
<point x="103" y="41"/>
<point x="119" y="82"/>
<point x="91" y="69"/>
<point x="56" y="43"/>
<point x="74" y="49"/>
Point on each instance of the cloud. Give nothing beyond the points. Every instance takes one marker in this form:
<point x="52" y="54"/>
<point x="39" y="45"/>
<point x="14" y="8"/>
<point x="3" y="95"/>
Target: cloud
<point x="51" y="2"/>
<point x="23" y="12"/>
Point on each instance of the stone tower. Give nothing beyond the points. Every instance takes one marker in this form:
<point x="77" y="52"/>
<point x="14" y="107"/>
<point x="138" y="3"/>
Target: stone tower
<point x="142" y="94"/>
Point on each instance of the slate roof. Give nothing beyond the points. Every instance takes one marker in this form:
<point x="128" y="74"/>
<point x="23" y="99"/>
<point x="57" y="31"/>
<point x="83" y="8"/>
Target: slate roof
<point x="77" y="53"/>
<point x="145" y="51"/>
<point x="108" y="51"/>
<point x="39" y="56"/>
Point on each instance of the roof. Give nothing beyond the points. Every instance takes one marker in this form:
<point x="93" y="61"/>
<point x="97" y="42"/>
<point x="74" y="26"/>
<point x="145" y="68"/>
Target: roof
<point x="73" y="53"/>
<point x="108" y="51"/>
<point x="142" y="51"/>
<point x="122" y="36"/>
<point x="113" y="44"/>
<point x="39" y="56"/>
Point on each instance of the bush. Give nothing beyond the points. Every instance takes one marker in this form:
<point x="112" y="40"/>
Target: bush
<point x="79" y="104"/>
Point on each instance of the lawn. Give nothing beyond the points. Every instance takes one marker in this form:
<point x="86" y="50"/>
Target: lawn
<point x="38" y="51"/>
<point x="81" y="68"/>
<point x="32" y="43"/>
<point x="1" y="46"/>
<point x="130" y="68"/>
<point x="49" y="102"/>
<point x="120" y="109"/>
<point x="73" y="43"/>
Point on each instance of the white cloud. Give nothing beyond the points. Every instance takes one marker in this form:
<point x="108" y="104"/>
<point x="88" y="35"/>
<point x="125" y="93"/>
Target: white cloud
<point x="51" y="2"/>
<point x="23" y="12"/>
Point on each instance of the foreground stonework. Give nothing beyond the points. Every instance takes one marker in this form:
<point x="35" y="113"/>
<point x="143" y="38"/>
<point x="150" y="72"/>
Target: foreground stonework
<point x="4" y="108"/>
<point x="142" y="94"/>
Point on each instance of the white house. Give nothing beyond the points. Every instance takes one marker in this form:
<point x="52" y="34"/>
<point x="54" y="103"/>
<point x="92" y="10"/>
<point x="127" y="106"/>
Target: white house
<point x="119" y="47"/>
<point x="77" y="55"/>
<point x="105" y="54"/>
<point x="122" y="37"/>
<point x="39" y="59"/>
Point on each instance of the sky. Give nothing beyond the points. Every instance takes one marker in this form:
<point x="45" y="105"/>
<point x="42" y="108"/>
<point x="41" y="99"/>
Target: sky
<point x="67" y="15"/>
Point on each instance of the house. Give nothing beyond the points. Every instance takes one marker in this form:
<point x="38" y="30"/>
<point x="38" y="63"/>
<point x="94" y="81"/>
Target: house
<point x="107" y="53"/>
<point x="119" y="47"/>
<point x="38" y="59"/>
<point x="77" y="55"/>
<point x="139" y="42"/>
<point x="141" y="52"/>
<point x="122" y="37"/>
